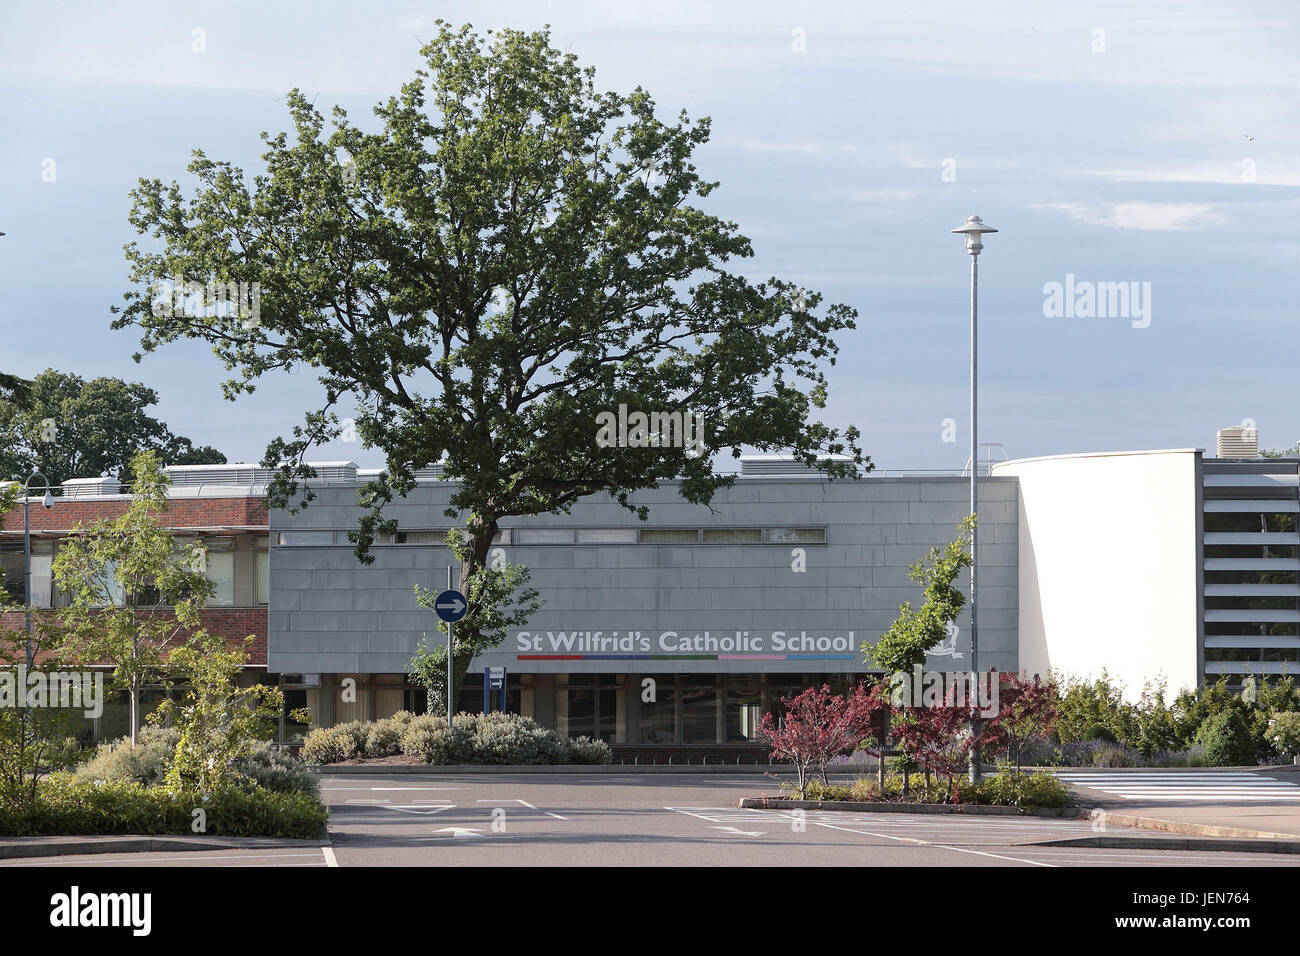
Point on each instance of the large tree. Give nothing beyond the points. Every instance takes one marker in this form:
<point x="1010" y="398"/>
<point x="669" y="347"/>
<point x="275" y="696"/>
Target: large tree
<point x="505" y="256"/>
<point x="70" y="427"/>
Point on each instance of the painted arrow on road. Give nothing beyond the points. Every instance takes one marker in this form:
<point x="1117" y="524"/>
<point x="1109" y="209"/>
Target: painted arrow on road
<point x="460" y="831"/>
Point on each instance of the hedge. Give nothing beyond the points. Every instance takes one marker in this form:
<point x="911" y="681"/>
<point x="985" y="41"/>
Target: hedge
<point x="65" y="806"/>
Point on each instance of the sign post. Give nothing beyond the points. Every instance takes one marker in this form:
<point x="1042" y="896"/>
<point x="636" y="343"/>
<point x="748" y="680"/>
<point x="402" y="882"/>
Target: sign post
<point x="450" y="606"/>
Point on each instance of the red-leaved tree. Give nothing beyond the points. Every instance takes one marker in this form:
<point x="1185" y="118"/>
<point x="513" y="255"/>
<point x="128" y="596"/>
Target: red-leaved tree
<point x="819" y="725"/>
<point x="1026" y="709"/>
<point x="940" y="738"/>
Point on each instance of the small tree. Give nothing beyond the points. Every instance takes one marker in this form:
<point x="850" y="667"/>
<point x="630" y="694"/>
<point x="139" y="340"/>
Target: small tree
<point x="219" y="721"/>
<point x="819" y="725"/>
<point x="916" y="632"/>
<point x="499" y="598"/>
<point x="134" y="596"/>
<point x="940" y="739"/>
<point x="33" y="740"/>
<point x="1026" y="709"/>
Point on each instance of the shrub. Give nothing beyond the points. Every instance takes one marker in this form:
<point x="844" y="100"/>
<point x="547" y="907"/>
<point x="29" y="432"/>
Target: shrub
<point x="1227" y="740"/>
<point x="588" y="751"/>
<point x="333" y="744"/>
<point x="273" y="769"/>
<point x="65" y="805"/>
<point x="146" y="764"/>
<point x="1284" y="732"/>
<point x="1010" y="789"/>
<point x="119" y="762"/>
<point x="383" y="738"/>
<point x="1098" y="732"/>
<point x="427" y="740"/>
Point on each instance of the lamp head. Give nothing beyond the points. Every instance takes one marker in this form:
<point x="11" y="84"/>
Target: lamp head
<point x="48" y="502"/>
<point x="974" y="229"/>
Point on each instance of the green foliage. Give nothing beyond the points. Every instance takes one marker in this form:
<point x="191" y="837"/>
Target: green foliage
<point x="262" y="765"/>
<point x="33" y="740"/>
<point x="1284" y="732"/>
<point x="1098" y="732"/>
<point x="384" y="737"/>
<point x="335" y="744"/>
<point x="1227" y="740"/>
<point x="1088" y="707"/>
<point x="68" y="806"/>
<point x="498" y="599"/>
<point x="481" y="274"/>
<point x="219" y="722"/>
<point x="1008" y="788"/>
<point x="70" y="427"/>
<point x="146" y="763"/>
<point x="914" y="633"/>
<point x="135" y="595"/>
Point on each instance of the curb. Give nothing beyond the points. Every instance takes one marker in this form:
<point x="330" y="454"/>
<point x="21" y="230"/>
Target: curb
<point x="41" y="846"/>
<point x="330" y="770"/>
<point x="770" y="803"/>
<point x="1202" y="829"/>
<point x="1260" y="844"/>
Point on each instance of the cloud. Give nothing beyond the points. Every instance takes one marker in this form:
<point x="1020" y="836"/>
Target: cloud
<point x="1232" y="173"/>
<point x="1144" y="216"/>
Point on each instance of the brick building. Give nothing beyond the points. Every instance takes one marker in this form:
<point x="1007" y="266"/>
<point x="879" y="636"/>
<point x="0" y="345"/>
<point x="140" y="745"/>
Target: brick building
<point x="223" y="505"/>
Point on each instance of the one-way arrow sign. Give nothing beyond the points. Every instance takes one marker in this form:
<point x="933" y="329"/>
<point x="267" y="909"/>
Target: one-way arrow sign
<point x="450" y="606"/>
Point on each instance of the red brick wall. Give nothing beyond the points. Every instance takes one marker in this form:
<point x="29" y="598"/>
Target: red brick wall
<point x="181" y="513"/>
<point x="232" y="623"/>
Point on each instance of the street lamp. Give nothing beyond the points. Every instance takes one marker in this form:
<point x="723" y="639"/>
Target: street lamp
<point x="48" y="503"/>
<point x="974" y="230"/>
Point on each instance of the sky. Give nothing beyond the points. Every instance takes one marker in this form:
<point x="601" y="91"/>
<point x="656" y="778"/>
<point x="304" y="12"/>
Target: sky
<point x="1111" y="142"/>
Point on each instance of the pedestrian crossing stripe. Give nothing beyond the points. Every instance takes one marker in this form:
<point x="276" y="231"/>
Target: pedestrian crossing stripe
<point x="1224" y="787"/>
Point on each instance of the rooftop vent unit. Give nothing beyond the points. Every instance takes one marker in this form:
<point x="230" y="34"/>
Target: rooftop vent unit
<point x="1238" y="442"/>
<point x="432" y="473"/>
<point x="236" y="474"/>
<point x="335" y="470"/>
<point x="782" y="464"/>
<point x="91" y="487"/>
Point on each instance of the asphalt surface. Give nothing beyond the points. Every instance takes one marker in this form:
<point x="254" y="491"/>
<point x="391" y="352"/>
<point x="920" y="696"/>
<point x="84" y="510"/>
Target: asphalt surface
<point x="656" y="820"/>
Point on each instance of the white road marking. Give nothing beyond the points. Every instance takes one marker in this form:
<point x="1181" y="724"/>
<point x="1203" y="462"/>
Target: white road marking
<point x="740" y="832"/>
<point x="526" y="804"/>
<point x="460" y="831"/>
<point x="329" y="856"/>
<point x="1173" y="785"/>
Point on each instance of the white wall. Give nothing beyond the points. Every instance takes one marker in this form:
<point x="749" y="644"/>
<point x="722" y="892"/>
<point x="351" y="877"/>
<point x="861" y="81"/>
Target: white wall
<point x="1109" y="565"/>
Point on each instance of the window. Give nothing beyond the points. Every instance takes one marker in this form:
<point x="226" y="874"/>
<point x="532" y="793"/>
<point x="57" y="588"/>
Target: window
<point x="426" y="538"/>
<point x="659" y="717"/>
<point x="262" y="568"/>
<point x="1245" y="522"/>
<point x="1250" y="551"/>
<point x="543" y="535"/>
<point x="607" y="535"/>
<point x="796" y="535"/>
<point x="732" y="535"/>
<point x="1250" y="603"/>
<point x="306" y="539"/>
<point x="220" y="570"/>
<point x="1276" y="628"/>
<point x="699" y="709"/>
<point x="1251" y="577"/>
<point x="669" y="536"/>
<point x="744" y="709"/>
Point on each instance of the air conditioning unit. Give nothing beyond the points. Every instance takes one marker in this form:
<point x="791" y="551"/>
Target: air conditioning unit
<point x="1238" y="442"/>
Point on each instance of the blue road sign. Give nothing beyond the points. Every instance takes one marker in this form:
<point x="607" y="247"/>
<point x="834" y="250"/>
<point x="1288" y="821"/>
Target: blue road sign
<point x="450" y="606"/>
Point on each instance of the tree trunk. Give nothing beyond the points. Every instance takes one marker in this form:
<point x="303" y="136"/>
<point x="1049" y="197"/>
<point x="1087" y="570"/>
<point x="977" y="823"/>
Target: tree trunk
<point x="135" y="714"/>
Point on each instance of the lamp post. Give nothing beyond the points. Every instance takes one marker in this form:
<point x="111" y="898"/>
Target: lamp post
<point x="48" y="503"/>
<point x="974" y="230"/>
